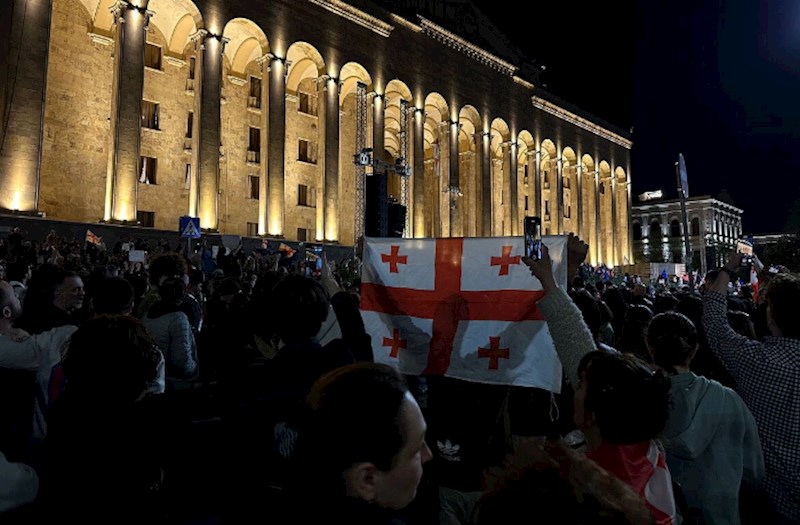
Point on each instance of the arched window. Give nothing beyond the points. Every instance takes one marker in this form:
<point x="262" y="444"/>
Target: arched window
<point x="655" y="230"/>
<point x="696" y="226"/>
<point x="675" y="228"/>
<point x="637" y="231"/>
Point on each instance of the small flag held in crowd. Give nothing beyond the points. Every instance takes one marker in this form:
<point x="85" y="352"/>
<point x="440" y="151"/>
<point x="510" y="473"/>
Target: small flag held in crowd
<point x="462" y="308"/>
<point x="92" y="238"/>
<point x="287" y="250"/>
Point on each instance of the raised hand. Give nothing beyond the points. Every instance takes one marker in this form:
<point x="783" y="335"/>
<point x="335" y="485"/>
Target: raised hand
<point x="542" y="269"/>
<point x="576" y="250"/>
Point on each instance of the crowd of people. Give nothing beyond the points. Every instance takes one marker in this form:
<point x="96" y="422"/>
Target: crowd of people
<point x="232" y="387"/>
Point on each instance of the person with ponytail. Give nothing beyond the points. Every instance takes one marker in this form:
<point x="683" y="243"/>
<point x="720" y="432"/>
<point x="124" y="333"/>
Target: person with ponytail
<point x="710" y="437"/>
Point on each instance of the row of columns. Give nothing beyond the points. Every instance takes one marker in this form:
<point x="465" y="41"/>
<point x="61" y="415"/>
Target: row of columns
<point x="130" y="32"/>
<point x="131" y="24"/>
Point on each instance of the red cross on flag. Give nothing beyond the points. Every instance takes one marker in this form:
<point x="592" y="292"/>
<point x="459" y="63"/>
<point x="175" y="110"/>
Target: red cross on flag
<point x="460" y="307"/>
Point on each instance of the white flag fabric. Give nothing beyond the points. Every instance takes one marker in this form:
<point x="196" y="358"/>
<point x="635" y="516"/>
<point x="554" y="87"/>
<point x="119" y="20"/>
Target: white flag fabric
<point x="460" y="307"/>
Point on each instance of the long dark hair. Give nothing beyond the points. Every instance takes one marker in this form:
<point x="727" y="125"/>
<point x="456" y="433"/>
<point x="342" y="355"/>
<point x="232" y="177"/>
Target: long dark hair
<point x="672" y="340"/>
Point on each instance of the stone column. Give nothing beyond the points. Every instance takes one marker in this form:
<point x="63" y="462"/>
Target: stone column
<point x="559" y="193"/>
<point x="124" y="160"/>
<point x="379" y="175"/>
<point x="441" y="217"/>
<point x="22" y="96"/>
<point x="597" y="212"/>
<point x="630" y="223"/>
<point x="614" y="236"/>
<point x="263" y="170"/>
<point x="530" y="188"/>
<point x="577" y="220"/>
<point x="537" y="184"/>
<point x="330" y="189"/>
<point x="454" y="189"/>
<point x="506" y="188"/>
<point x="277" y="144"/>
<point x="513" y="190"/>
<point x="207" y="103"/>
<point x="418" y="174"/>
<point x="486" y="184"/>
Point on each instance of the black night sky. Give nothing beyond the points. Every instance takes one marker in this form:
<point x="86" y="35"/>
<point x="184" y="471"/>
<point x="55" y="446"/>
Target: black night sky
<point x="717" y="80"/>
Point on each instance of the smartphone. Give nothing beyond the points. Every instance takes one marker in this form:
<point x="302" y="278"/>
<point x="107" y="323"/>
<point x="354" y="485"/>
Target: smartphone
<point x="533" y="237"/>
<point x="746" y="248"/>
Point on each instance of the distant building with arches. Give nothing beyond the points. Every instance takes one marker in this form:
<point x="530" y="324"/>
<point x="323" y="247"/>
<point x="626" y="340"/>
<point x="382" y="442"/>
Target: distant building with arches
<point x="715" y="226"/>
<point x="248" y="115"/>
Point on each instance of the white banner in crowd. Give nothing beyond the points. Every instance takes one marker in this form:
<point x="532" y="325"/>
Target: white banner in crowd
<point x="460" y="307"/>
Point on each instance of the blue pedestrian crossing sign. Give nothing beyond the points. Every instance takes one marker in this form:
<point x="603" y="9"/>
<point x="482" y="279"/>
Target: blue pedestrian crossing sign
<point x="189" y="227"/>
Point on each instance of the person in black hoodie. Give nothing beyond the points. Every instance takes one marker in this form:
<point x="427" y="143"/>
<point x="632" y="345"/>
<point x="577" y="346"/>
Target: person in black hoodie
<point x="265" y="396"/>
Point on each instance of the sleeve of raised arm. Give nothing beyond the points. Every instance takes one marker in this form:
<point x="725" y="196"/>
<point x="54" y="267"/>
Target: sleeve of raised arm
<point x="736" y="352"/>
<point x="571" y="337"/>
<point x="352" y="326"/>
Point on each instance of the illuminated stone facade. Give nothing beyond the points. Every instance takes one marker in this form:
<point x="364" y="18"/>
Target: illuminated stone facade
<point x="715" y="226"/>
<point x="248" y="114"/>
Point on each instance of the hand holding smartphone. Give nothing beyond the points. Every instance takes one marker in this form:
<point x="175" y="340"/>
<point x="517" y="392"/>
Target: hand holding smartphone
<point x="533" y="238"/>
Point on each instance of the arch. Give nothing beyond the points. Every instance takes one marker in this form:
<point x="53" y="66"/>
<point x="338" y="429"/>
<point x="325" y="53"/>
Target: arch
<point x="695" y="226"/>
<point x="526" y="168"/>
<point x="436" y="112"/>
<point x="500" y="134"/>
<point x="351" y="74"/>
<point x="501" y="178"/>
<point x="87" y="11"/>
<point x="304" y="62"/>
<point x="396" y="90"/>
<point x="547" y="172"/>
<point x="655" y="229"/>
<point x="675" y="228"/>
<point x="178" y="20"/>
<point x="247" y="42"/>
<point x="100" y="11"/>
<point x="437" y="162"/>
<point x="469" y="121"/>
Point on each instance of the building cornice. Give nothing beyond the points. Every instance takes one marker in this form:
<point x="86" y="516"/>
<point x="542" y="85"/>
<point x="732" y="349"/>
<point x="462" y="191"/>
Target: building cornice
<point x="691" y="202"/>
<point x="454" y="41"/>
<point x="572" y="118"/>
<point x="399" y="20"/>
<point x="355" y="15"/>
<point x="522" y="82"/>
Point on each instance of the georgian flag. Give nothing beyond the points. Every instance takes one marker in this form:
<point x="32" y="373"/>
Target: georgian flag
<point x="460" y="307"/>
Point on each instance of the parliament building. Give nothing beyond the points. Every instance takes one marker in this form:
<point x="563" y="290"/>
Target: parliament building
<point x="253" y="116"/>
